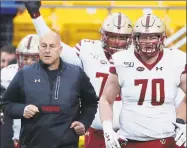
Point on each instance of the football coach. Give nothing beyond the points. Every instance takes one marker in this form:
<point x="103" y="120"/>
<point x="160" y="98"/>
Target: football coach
<point x="55" y="100"/>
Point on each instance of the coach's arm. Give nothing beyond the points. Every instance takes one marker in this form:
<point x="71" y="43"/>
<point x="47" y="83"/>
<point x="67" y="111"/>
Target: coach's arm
<point x="89" y="101"/>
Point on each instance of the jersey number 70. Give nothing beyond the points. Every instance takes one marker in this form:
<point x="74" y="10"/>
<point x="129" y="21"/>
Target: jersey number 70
<point x="154" y="85"/>
<point x="105" y="77"/>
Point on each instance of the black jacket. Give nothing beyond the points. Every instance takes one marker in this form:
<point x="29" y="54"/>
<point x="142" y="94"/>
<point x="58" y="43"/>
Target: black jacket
<point x="59" y="106"/>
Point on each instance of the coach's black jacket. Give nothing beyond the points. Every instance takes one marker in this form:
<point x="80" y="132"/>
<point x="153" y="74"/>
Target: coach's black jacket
<point x="59" y="105"/>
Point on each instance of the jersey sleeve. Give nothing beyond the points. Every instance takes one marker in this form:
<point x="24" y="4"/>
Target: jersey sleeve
<point x="112" y="66"/>
<point x="83" y="46"/>
<point x="182" y="62"/>
<point x="5" y="81"/>
<point x="40" y="26"/>
<point x="77" y="48"/>
<point x="69" y="55"/>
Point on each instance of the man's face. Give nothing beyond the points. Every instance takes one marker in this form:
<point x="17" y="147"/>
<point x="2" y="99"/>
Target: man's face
<point x="29" y="59"/>
<point x="49" y="50"/>
<point x="148" y="43"/>
<point x="6" y="58"/>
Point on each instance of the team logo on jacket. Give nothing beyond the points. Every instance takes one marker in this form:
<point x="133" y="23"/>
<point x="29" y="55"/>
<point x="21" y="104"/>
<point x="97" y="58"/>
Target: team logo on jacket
<point x="140" y="68"/>
<point x="103" y="62"/>
<point x="37" y="80"/>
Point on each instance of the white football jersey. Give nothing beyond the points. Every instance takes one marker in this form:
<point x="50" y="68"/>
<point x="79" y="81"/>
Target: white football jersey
<point x="148" y="93"/>
<point x="96" y="66"/>
<point x="7" y="74"/>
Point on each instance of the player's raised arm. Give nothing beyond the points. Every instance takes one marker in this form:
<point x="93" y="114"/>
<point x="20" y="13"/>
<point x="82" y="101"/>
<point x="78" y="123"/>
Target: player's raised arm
<point x="68" y="53"/>
<point x="33" y="8"/>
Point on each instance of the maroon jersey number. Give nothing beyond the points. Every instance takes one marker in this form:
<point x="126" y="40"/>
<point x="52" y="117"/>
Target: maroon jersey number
<point x="105" y="77"/>
<point x="155" y="83"/>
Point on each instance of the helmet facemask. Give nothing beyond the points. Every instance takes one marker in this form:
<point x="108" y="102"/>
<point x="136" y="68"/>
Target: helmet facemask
<point x="28" y="50"/>
<point x="149" y="47"/>
<point x="116" y="32"/>
<point x="149" y="35"/>
<point x="113" y="42"/>
<point x="21" y="56"/>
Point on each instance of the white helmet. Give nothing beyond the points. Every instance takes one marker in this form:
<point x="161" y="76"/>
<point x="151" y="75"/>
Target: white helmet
<point x="149" y="25"/>
<point x="27" y="46"/>
<point x="119" y="27"/>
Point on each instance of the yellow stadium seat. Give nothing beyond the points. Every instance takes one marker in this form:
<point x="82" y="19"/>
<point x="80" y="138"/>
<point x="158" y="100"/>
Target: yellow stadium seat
<point x="81" y="142"/>
<point x="134" y="3"/>
<point x="89" y="3"/>
<point x="52" y="2"/>
<point x="160" y="13"/>
<point x="23" y="24"/>
<point x="177" y="18"/>
<point x="173" y="3"/>
<point x="133" y="14"/>
<point x="76" y="24"/>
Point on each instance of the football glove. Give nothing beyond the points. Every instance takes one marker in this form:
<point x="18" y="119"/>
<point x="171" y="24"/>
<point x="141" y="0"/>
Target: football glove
<point x="33" y="7"/>
<point x="180" y="130"/>
<point x="111" y="137"/>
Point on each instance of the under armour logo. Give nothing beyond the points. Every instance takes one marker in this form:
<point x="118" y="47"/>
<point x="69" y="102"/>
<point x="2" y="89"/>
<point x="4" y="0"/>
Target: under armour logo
<point x="37" y="80"/>
<point x="157" y="68"/>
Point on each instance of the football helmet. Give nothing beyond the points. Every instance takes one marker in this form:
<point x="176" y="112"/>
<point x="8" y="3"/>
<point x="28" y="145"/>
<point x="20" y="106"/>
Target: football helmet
<point x="116" y="32"/>
<point x="28" y="46"/>
<point x="149" y="26"/>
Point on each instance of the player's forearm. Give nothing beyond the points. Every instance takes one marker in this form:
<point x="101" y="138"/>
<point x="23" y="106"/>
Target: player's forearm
<point x="40" y="25"/>
<point x="181" y="109"/>
<point x="106" y="110"/>
<point x="33" y="8"/>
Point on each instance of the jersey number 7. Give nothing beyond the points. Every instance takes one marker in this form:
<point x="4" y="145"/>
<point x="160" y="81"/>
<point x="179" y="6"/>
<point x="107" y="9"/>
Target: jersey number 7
<point x="105" y="77"/>
<point x="154" y="84"/>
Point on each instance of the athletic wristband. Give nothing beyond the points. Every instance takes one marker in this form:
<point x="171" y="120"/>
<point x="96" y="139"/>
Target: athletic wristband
<point x="35" y="15"/>
<point x="181" y="121"/>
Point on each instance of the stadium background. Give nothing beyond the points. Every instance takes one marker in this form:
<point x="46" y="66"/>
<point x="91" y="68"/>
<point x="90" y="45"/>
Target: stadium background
<point x="75" y="20"/>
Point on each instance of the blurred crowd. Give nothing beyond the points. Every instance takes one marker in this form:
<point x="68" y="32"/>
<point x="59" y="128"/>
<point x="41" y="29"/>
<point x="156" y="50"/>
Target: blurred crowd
<point x="7" y="13"/>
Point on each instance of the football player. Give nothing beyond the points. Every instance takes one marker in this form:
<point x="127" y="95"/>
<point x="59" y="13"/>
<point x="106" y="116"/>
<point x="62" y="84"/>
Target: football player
<point x="27" y="53"/>
<point x="116" y="33"/>
<point x="148" y="78"/>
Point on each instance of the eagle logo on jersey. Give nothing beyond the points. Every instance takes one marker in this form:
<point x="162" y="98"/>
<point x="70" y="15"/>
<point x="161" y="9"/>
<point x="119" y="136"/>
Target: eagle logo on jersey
<point x="140" y="68"/>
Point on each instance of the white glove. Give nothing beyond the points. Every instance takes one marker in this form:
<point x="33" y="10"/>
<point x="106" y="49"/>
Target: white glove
<point x="111" y="137"/>
<point x="16" y="128"/>
<point x="180" y="137"/>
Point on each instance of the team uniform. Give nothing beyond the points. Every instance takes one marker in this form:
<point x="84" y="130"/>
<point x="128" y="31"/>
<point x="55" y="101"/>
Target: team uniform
<point x="96" y="64"/>
<point x="94" y="56"/>
<point x="7" y="74"/>
<point x="148" y="93"/>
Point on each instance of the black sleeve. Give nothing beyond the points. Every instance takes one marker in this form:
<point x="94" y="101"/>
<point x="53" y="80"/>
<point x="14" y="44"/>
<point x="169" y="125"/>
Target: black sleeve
<point x="89" y="101"/>
<point x="12" y="99"/>
<point x="2" y="90"/>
